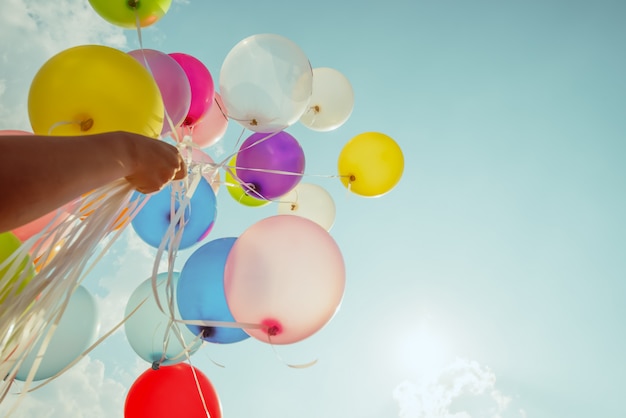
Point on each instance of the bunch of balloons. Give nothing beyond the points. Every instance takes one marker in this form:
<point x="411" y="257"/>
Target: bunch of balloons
<point x="283" y="278"/>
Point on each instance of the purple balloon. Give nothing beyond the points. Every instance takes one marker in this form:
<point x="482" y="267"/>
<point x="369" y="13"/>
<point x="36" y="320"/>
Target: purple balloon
<point x="172" y="81"/>
<point x="270" y="165"/>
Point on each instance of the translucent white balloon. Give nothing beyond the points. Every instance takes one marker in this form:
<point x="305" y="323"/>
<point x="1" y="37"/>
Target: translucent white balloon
<point x="266" y="83"/>
<point x="147" y="329"/>
<point x="309" y="201"/>
<point x="76" y="331"/>
<point x="287" y="274"/>
<point x="332" y="100"/>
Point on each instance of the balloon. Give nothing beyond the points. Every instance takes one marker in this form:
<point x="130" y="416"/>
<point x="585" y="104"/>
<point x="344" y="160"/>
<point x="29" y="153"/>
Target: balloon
<point x="202" y="87"/>
<point x="331" y="102"/>
<point x="51" y="219"/>
<point x="153" y="219"/>
<point x="147" y="328"/>
<point x="200" y="293"/>
<point x="261" y="156"/>
<point x="129" y="13"/>
<point x="91" y="89"/>
<point x="238" y="191"/>
<point x="370" y="164"/>
<point x="286" y="273"/>
<point x="173" y="85"/>
<point x="24" y="271"/>
<point x="171" y="391"/>
<point x="14" y="132"/>
<point x="76" y="331"/>
<point x="211" y="128"/>
<point x="309" y="201"/>
<point x="266" y="82"/>
<point x="211" y="175"/>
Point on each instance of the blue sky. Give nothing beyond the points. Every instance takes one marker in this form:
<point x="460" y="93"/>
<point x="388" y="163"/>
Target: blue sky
<point x="489" y="282"/>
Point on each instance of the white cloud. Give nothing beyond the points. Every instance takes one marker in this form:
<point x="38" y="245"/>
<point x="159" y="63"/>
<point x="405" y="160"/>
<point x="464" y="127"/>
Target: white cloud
<point x="463" y="389"/>
<point x="32" y="31"/>
<point x="82" y="392"/>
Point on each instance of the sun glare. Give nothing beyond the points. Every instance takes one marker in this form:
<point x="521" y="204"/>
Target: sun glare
<point x="421" y="351"/>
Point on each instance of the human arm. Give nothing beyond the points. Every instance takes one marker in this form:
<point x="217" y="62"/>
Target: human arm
<point x="41" y="173"/>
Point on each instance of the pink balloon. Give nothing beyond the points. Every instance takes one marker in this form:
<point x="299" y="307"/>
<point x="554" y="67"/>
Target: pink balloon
<point x="26" y="231"/>
<point x="202" y="87"/>
<point x="14" y="132"/>
<point x="211" y="175"/>
<point x="172" y="81"/>
<point x="211" y="128"/>
<point x="286" y="273"/>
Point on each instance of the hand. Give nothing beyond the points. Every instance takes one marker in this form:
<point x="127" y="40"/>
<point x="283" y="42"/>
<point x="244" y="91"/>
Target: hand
<point x="154" y="163"/>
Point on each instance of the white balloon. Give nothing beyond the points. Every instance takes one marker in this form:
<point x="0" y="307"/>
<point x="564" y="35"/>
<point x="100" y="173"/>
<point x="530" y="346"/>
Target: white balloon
<point x="332" y="101"/>
<point x="266" y="83"/>
<point x="74" y="334"/>
<point x="309" y="201"/>
<point x="147" y="328"/>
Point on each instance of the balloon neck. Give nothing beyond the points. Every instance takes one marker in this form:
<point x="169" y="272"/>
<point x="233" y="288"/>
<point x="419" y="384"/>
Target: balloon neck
<point x="156" y="365"/>
<point x="133" y="4"/>
<point x="207" y="332"/>
<point x="272" y="327"/>
<point x="86" y="125"/>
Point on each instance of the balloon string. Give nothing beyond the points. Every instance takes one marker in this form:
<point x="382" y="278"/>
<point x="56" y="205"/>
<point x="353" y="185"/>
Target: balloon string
<point x="64" y="123"/>
<point x="22" y="320"/>
<point x="220" y="108"/>
<point x="279" y="357"/>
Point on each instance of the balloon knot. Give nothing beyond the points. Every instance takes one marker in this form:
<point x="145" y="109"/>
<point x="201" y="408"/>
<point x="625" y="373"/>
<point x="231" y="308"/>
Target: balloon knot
<point x="352" y="178"/>
<point x="156" y="365"/>
<point x="207" y="332"/>
<point x="294" y="206"/>
<point x="316" y="108"/>
<point x="86" y="124"/>
<point x="254" y="122"/>
<point x="133" y="3"/>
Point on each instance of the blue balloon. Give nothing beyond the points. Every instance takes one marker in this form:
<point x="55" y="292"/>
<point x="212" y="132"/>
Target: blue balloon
<point x="153" y="220"/>
<point x="200" y="292"/>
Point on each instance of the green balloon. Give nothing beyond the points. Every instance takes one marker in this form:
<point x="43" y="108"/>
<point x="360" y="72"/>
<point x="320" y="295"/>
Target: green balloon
<point x="9" y="243"/>
<point x="125" y="13"/>
<point x="237" y="192"/>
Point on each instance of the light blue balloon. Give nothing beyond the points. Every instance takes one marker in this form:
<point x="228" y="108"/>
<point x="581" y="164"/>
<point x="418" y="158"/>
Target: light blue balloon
<point x="153" y="220"/>
<point x="76" y="331"/>
<point x="200" y="293"/>
<point x="148" y="327"/>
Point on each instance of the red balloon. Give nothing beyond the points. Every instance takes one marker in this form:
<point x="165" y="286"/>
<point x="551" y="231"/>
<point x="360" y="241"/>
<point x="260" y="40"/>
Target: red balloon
<point x="171" y="391"/>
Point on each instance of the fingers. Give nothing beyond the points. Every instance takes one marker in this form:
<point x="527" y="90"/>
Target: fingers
<point x="181" y="172"/>
<point x="158" y="164"/>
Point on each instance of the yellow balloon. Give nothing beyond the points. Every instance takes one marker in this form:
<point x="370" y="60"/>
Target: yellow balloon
<point x="92" y="89"/>
<point x="371" y="164"/>
<point x="237" y="192"/>
<point x="9" y="243"/>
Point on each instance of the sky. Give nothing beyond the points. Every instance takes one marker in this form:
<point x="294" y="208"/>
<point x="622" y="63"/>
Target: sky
<point x="489" y="283"/>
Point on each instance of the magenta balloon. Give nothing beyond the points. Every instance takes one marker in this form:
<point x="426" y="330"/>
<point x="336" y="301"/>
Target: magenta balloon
<point x="286" y="273"/>
<point x="202" y="87"/>
<point x="172" y="82"/>
<point x="275" y="164"/>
